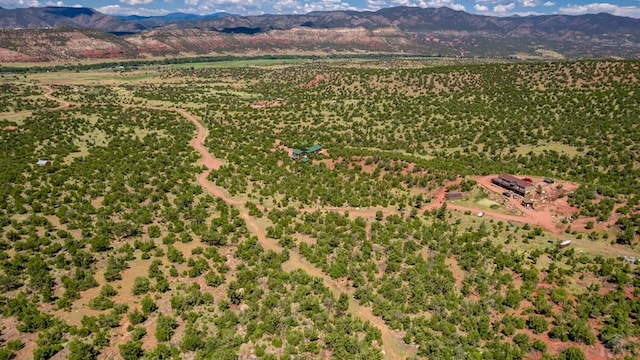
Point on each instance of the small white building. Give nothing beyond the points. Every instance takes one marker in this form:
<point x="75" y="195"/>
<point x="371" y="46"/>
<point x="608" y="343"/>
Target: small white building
<point x="44" y="163"/>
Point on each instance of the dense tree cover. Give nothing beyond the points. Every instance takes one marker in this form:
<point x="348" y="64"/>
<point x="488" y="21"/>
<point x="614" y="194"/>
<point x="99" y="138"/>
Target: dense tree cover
<point x="132" y="64"/>
<point x="399" y="267"/>
<point x="117" y="224"/>
<point x="119" y="195"/>
<point x="415" y="126"/>
<point x="16" y="98"/>
<point x="457" y="119"/>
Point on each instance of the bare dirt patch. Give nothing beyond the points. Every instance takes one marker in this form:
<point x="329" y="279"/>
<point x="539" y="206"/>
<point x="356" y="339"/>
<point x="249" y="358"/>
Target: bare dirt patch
<point x="278" y="145"/>
<point x="458" y="273"/>
<point x="266" y="104"/>
<point x="549" y="209"/>
<point x="393" y="345"/>
<point x="314" y="82"/>
<point x="554" y="347"/>
<point x="49" y="95"/>
<point x="305" y="239"/>
<point x="329" y="163"/>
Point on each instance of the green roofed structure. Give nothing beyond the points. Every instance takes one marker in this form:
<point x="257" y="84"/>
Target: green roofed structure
<point x="296" y="153"/>
<point x="314" y="149"/>
<point x="305" y="159"/>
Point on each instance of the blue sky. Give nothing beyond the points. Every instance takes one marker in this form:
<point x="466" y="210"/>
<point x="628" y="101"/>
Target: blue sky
<point x="630" y="8"/>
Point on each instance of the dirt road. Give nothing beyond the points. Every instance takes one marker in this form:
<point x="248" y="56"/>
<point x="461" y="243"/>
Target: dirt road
<point x="208" y="160"/>
<point x="392" y="343"/>
<point x="49" y="95"/>
<point x="544" y="219"/>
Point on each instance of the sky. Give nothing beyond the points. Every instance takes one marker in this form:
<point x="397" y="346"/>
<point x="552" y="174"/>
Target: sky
<point x="629" y="8"/>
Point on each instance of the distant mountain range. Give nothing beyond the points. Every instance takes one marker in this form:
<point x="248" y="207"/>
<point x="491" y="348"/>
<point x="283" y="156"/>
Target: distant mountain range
<point x="62" y="33"/>
<point x="170" y="18"/>
<point x="48" y="17"/>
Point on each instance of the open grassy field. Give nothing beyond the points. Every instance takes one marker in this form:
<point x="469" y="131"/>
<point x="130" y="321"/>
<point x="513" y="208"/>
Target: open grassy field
<point x="172" y="221"/>
<point x="243" y="63"/>
<point x="478" y="199"/>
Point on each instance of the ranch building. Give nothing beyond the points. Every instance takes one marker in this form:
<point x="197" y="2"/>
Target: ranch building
<point x="453" y="196"/>
<point x="528" y="203"/>
<point x="518" y="186"/>
<point x="296" y="153"/>
<point x="314" y="149"/>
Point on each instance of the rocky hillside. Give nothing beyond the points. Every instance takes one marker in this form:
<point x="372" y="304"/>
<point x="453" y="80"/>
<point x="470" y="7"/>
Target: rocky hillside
<point x="48" y="17"/>
<point x="65" y="43"/>
<point x="89" y="34"/>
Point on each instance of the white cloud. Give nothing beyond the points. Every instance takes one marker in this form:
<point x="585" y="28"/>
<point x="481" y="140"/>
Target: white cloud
<point x="481" y="8"/>
<point x="527" y="13"/>
<point x="245" y="7"/>
<point x="110" y="9"/>
<point x="443" y="3"/>
<point x="548" y="4"/>
<point x="594" y="8"/>
<point x="529" y="3"/>
<point x="12" y="4"/>
<point x="503" y="9"/>
<point x="489" y="2"/>
<point x="297" y="7"/>
<point x="136" y="2"/>
<point x="249" y="7"/>
<point x="375" y="4"/>
<point x="119" y="10"/>
<point x="18" y="3"/>
<point x="379" y="4"/>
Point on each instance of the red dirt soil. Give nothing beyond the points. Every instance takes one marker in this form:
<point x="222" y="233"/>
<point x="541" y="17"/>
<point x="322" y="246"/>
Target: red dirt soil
<point x="593" y="352"/>
<point x="547" y="216"/>
<point x="63" y="103"/>
<point x="314" y="82"/>
<point x="393" y="346"/>
<point x="264" y="104"/>
<point x="550" y="209"/>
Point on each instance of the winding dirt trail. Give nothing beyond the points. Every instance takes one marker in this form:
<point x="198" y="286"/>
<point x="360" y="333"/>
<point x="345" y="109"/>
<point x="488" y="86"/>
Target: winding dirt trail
<point x="49" y="95"/>
<point x="393" y="346"/>
<point x="543" y="219"/>
<point x="62" y="104"/>
<point x="207" y="160"/>
<point x="392" y="343"/>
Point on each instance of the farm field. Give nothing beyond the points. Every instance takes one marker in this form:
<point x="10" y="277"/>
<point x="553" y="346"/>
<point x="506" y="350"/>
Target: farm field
<point x="157" y="212"/>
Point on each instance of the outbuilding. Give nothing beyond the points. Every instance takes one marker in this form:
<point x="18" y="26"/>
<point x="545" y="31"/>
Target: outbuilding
<point x="313" y="149"/>
<point x="453" y="196"/>
<point x="509" y="182"/>
<point x="528" y="203"/>
<point x="44" y="163"/>
<point x="296" y="153"/>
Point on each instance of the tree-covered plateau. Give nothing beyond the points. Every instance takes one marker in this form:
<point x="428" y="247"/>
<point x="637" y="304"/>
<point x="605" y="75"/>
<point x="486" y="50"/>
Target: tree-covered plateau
<point x="115" y="249"/>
